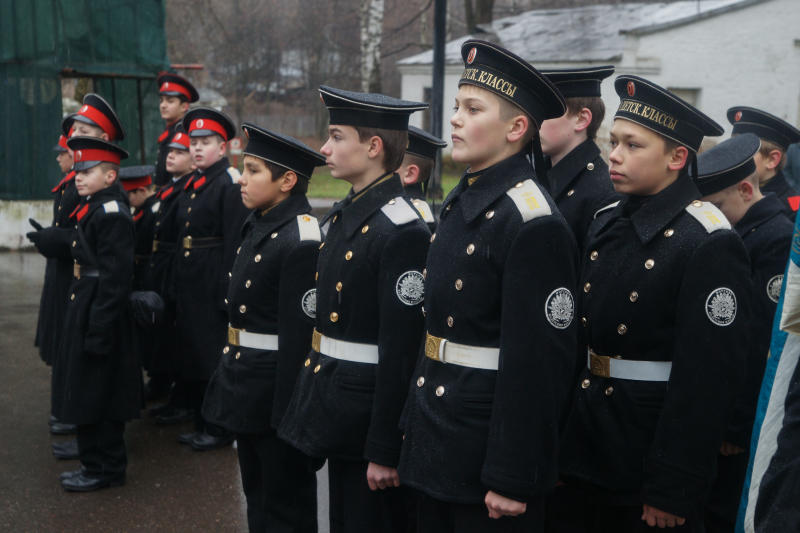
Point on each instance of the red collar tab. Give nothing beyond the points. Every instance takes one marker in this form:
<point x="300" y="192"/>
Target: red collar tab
<point x="188" y="182"/>
<point x="64" y="180"/>
<point x="163" y="193"/>
<point x="136" y="183"/>
<point x="163" y="136"/>
<point x="80" y="211"/>
<point x="173" y="87"/>
<point x="137" y="216"/>
<point x="97" y="116"/>
<point x="794" y="202"/>
<point x="96" y="154"/>
<point x="199" y="183"/>
<point x="208" y="124"/>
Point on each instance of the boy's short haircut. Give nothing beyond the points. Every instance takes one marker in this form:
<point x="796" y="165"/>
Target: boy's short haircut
<point x="424" y="164"/>
<point x="301" y="187"/>
<point x="509" y="111"/>
<point x="592" y="103"/>
<point x="767" y="147"/>
<point x="394" y="144"/>
<point x="106" y="166"/>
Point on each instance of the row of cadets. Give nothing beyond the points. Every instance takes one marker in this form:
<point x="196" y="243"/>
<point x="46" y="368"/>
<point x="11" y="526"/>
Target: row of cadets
<point x="209" y="218"/>
<point x="97" y="382"/>
<point x="271" y="305"/>
<point x="577" y="174"/>
<point x="664" y="311"/>
<point x="417" y="168"/>
<point x="483" y="410"/>
<point x="138" y="184"/>
<point x="159" y="278"/>
<point x="175" y="93"/>
<point x="727" y="178"/>
<point x="347" y="401"/>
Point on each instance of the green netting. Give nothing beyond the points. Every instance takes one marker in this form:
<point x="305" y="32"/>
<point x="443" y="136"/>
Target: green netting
<point x="120" y="44"/>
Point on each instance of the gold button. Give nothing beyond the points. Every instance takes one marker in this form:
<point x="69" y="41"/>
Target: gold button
<point x="423" y="310"/>
<point x="257" y="258"/>
<point x="697" y="203"/>
<point x="193" y="196"/>
<point x="226" y="301"/>
<point x="570" y="192"/>
<point x="74" y="244"/>
<point x="57" y="224"/>
<point x="239" y="249"/>
<point x="649" y="264"/>
<point x="489" y="215"/>
<point x="321" y="245"/>
<point x="433" y="237"/>
<point x="365" y="228"/>
<point x="230" y="275"/>
<point x="349" y="255"/>
<point x="590" y="166"/>
<point x="275" y="234"/>
<point x="459" y="284"/>
<point x="247" y="284"/>
<point x="158" y="223"/>
<point x="440" y="391"/>
<point x="308" y="362"/>
<point x="585" y="384"/>
<point x="242" y="308"/>
<point x="594" y="255"/>
<point x="622" y="329"/>
<point x="587" y="287"/>
<point x="338" y="286"/>
<point x="584" y="321"/>
<point x="470" y="249"/>
<point x="391" y="202"/>
<point x="334" y="316"/>
<point x="238" y="355"/>
<point x="450" y="321"/>
<point x="669" y="233"/>
<point x="186" y="253"/>
<point x="316" y="368"/>
<point x="609" y="391"/>
<point x="72" y="296"/>
<point x="334" y="218"/>
<point x="634" y="296"/>
<point x="420" y="381"/>
<point x="187" y="224"/>
<point x="448" y="207"/>
<point x="316" y="276"/>
<point x="518" y="185"/>
<point x="424" y="273"/>
<point x="189" y="210"/>
<point x="226" y="349"/>
<point x="59" y="208"/>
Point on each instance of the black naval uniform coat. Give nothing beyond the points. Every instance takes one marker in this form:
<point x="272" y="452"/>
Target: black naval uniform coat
<point x="271" y="291"/>
<point x="161" y="176"/>
<point x="369" y="291"/>
<point x="500" y="273"/>
<point x="58" y="272"/>
<point x="790" y="198"/>
<point x="144" y="223"/>
<point x="210" y="211"/>
<point x="417" y="197"/>
<point x="580" y="186"/>
<point x="767" y="236"/>
<point x="663" y="279"/>
<point x="98" y="376"/>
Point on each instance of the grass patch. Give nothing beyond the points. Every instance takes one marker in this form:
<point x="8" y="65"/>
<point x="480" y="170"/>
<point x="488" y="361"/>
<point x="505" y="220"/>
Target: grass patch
<point x="323" y="185"/>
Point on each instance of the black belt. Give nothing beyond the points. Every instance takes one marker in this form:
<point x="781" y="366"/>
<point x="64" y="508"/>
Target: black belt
<point x="163" y="246"/>
<point x="79" y="272"/>
<point x="138" y="258"/>
<point x="190" y="242"/>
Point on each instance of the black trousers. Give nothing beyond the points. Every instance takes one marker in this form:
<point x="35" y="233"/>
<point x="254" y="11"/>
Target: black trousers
<point x="193" y="393"/>
<point x="280" y="485"/>
<point x="436" y="516"/>
<point x="581" y="509"/>
<point x="101" y="447"/>
<point x="354" y="508"/>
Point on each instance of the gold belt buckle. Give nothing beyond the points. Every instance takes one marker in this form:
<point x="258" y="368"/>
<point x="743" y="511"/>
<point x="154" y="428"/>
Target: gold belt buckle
<point x="316" y="340"/>
<point x="76" y="270"/>
<point x="155" y="246"/>
<point x="233" y="336"/>
<point x="599" y="365"/>
<point x="187" y="242"/>
<point x="432" y="344"/>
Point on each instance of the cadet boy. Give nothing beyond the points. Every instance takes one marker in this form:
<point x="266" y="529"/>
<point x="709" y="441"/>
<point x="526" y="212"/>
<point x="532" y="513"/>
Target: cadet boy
<point x="481" y="421"/>
<point x="209" y="218"/>
<point x="175" y="93"/>
<point x="776" y="135"/>
<point x="664" y="304"/>
<point x="138" y="183"/>
<point x="349" y="395"/>
<point x="160" y="278"/>
<point x="727" y="178"/>
<point x="271" y="310"/>
<point x="578" y="177"/>
<point x="98" y="376"/>
<point x="417" y="168"/>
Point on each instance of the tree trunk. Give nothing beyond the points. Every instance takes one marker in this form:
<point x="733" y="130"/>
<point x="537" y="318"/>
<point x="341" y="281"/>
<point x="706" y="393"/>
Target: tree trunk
<point x="371" y="33"/>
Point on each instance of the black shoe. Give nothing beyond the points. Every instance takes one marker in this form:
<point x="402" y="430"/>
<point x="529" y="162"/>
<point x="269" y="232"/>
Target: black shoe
<point x="175" y="415"/>
<point x="72" y="473"/>
<point x="187" y="438"/>
<point x="85" y="482"/>
<point x="203" y="441"/>
<point x="66" y="450"/>
<point x="60" y="428"/>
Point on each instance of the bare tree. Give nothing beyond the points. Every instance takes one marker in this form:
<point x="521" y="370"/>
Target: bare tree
<point x="371" y="34"/>
<point x="477" y="12"/>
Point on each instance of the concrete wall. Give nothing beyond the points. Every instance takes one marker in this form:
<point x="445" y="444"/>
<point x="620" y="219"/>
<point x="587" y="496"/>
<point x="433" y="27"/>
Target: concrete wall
<point x="14" y="224"/>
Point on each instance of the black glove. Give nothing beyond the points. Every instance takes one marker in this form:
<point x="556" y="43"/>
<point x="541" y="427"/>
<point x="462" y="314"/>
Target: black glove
<point x="34" y="237"/>
<point x="35" y="224"/>
<point x="147" y="308"/>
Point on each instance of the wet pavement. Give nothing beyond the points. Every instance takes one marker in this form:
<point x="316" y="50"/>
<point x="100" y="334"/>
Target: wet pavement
<point x="169" y="487"/>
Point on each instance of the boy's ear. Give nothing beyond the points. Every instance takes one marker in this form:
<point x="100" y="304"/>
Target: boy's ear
<point x="584" y="119"/>
<point x="111" y="176"/>
<point x="773" y="159"/>
<point x="678" y="158"/>
<point x="288" y="180"/>
<point x="411" y="174"/>
<point x="375" y="147"/>
<point x="184" y="106"/>
<point x="518" y="127"/>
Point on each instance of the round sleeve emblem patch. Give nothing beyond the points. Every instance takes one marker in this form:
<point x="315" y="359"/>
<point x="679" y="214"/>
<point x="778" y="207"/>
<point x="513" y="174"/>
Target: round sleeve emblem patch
<point x="309" y="303"/>
<point x="721" y="306"/>
<point x="410" y="287"/>
<point x="774" y="287"/>
<point x="559" y="308"/>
